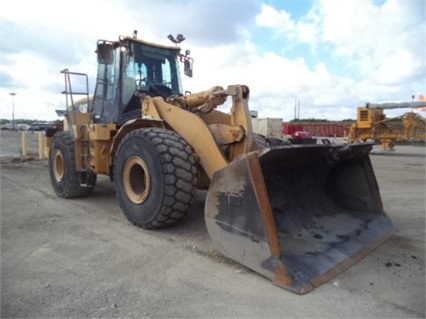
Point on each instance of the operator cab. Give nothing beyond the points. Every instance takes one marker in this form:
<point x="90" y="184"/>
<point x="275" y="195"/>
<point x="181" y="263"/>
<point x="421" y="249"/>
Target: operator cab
<point x="130" y="69"/>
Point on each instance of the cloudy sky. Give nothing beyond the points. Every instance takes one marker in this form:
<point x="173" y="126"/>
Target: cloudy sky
<point x="331" y="55"/>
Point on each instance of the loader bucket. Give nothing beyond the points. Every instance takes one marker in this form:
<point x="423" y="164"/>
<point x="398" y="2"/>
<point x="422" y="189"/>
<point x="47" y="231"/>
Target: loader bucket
<point x="298" y="214"/>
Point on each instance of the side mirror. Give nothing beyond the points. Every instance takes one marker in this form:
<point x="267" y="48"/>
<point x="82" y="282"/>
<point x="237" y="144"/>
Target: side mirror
<point x="188" y="67"/>
<point x="105" y="52"/>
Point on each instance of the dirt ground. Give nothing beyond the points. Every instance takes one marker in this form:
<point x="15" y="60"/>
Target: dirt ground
<point x="82" y="259"/>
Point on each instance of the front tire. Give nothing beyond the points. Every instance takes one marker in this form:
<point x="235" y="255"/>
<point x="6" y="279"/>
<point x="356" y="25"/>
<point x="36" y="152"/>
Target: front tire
<point x="155" y="177"/>
<point x="63" y="175"/>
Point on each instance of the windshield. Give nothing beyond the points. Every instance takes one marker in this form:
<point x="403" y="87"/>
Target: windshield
<point x="148" y="66"/>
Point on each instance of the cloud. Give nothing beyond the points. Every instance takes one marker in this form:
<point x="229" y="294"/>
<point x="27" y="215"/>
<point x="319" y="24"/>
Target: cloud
<point x="303" y="30"/>
<point x="380" y="40"/>
<point x="273" y="18"/>
<point x="334" y="57"/>
<point x="398" y="67"/>
<point x="380" y="47"/>
<point x="204" y="23"/>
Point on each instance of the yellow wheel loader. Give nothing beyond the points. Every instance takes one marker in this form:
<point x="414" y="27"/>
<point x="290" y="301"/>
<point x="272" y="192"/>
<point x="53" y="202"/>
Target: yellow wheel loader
<point x="297" y="214"/>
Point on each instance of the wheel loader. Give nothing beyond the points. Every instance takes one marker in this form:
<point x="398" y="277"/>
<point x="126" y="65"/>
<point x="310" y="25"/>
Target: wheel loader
<point x="296" y="214"/>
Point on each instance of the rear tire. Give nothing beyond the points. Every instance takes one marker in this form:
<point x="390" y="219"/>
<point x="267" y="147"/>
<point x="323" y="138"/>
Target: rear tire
<point x="155" y="177"/>
<point x="63" y="175"/>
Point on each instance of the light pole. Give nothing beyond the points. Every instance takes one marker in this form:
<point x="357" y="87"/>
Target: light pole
<point x="13" y="110"/>
<point x="297" y="108"/>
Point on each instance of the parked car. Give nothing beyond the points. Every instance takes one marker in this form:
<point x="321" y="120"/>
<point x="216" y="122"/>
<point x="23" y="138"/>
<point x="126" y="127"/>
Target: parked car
<point x="38" y="126"/>
<point x="6" y="127"/>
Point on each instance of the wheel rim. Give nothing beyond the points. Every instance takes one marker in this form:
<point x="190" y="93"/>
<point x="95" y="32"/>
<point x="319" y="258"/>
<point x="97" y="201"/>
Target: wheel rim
<point x="58" y="167"/>
<point x="136" y="180"/>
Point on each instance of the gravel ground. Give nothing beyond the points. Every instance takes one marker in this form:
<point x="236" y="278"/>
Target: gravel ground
<point x="82" y="258"/>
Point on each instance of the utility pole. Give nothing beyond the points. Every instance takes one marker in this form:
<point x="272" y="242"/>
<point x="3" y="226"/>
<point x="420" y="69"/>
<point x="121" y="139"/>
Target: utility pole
<point x="297" y="108"/>
<point x="13" y="110"/>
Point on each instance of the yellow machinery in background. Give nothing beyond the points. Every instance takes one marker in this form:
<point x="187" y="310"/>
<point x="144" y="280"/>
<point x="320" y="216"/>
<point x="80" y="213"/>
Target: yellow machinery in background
<point x="372" y="124"/>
